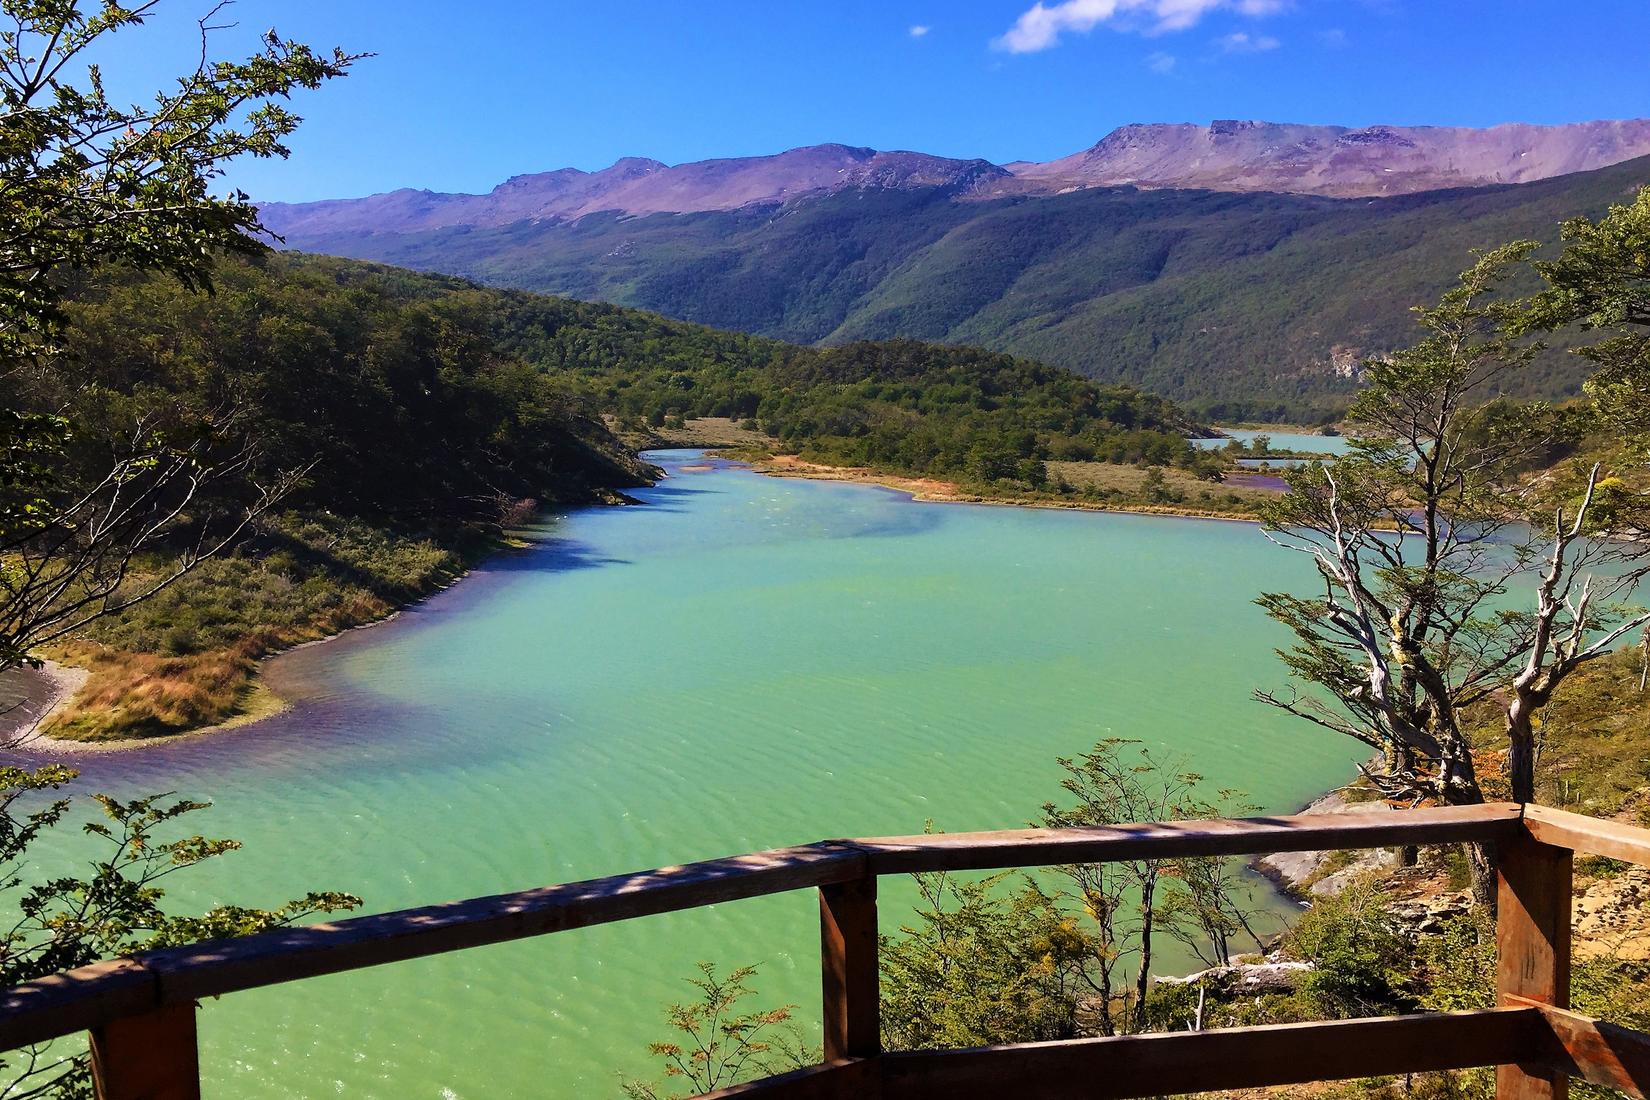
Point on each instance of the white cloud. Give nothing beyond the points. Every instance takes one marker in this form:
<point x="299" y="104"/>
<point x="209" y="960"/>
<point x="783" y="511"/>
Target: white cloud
<point x="1041" y="26"/>
<point x="1243" y="42"/>
<point x="1161" y="63"/>
<point x="1334" y="38"/>
<point x="918" y="30"/>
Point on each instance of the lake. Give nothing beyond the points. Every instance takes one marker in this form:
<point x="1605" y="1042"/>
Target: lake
<point x="743" y="662"/>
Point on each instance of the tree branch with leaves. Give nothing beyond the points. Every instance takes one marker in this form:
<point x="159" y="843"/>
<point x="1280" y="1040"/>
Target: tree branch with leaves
<point x="99" y="514"/>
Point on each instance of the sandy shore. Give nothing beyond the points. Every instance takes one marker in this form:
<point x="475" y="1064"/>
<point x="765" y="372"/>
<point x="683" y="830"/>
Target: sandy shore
<point x="934" y="491"/>
<point x="31" y="697"/>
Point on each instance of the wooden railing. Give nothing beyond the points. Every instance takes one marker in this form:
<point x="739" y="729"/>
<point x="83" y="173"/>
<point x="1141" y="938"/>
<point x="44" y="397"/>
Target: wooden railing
<point x="141" y="1011"/>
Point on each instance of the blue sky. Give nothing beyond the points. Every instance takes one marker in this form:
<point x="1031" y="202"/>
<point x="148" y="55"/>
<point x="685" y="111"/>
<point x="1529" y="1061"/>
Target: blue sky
<point x="462" y="96"/>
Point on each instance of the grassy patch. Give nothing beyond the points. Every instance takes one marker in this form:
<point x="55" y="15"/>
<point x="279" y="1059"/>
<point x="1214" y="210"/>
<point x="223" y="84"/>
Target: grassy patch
<point x="712" y="431"/>
<point x="186" y="658"/>
<point x="1122" y="484"/>
<point x="1595" y="758"/>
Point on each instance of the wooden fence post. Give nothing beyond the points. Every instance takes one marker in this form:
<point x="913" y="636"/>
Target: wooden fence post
<point x="848" y="965"/>
<point x="148" y="1057"/>
<point x="1532" y="940"/>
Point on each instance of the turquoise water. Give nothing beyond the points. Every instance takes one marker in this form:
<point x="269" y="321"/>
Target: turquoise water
<point x="743" y="663"/>
<point x="1281" y="441"/>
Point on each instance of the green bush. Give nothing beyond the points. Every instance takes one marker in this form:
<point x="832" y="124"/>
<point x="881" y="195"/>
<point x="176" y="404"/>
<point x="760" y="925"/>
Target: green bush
<point x="1361" y="962"/>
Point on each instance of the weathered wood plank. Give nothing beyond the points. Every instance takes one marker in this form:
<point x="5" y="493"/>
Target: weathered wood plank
<point x="1166" y="839"/>
<point x="1532" y="942"/>
<point x="284" y="956"/>
<point x="848" y="967"/>
<point x="852" y="1079"/>
<point x="1603" y="1053"/>
<point x="1563" y="829"/>
<point x="76" y="1001"/>
<point x="154" y="1056"/>
<point x="1235" y="1058"/>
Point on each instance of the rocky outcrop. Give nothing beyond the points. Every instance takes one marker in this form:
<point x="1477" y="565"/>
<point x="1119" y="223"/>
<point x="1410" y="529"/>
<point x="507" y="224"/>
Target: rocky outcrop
<point x="1274" y="975"/>
<point x="1422" y="901"/>
<point x="1327" y="873"/>
<point x="1612" y="917"/>
<point x="1231" y="155"/>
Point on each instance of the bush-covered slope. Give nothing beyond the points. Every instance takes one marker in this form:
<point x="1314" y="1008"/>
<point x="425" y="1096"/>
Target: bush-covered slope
<point x="420" y="434"/>
<point x="1240" y="304"/>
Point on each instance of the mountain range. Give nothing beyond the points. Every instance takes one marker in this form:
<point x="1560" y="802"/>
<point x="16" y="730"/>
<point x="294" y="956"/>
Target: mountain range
<point x="1226" y="155"/>
<point x="1242" y="267"/>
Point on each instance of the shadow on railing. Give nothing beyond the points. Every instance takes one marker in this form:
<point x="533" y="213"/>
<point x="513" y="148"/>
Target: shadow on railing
<point x="141" y="1011"/>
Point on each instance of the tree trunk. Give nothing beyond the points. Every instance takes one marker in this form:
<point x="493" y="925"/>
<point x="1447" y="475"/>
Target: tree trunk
<point x="1521" y="750"/>
<point x="1481" y="861"/>
<point x="1142" y="981"/>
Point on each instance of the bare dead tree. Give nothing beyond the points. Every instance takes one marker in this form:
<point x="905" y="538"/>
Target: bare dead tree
<point x="1429" y="543"/>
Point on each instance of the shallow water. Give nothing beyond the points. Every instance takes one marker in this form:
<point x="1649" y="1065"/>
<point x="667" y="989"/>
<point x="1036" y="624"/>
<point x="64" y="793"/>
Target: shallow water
<point x="1275" y="463"/>
<point x="743" y="663"/>
<point x="1281" y="441"/>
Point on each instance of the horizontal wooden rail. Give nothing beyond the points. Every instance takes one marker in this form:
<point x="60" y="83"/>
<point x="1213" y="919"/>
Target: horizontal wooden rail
<point x="91" y="996"/>
<point x="1603" y="1053"/>
<point x="1168" y="1064"/>
<point x="1231" y="1058"/>
<point x="1173" y="839"/>
<point x="78" y="1000"/>
<point x="1592" y="835"/>
<point x="140" y="1011"/>
<point x="856" y="1078"/>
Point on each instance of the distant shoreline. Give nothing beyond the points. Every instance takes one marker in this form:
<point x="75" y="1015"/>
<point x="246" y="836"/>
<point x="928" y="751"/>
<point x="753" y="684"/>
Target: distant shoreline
<point x="933" y="491"/>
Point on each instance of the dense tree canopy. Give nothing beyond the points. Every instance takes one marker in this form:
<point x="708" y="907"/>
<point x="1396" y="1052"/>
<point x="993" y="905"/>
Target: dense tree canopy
<point x="1602" y="283"/>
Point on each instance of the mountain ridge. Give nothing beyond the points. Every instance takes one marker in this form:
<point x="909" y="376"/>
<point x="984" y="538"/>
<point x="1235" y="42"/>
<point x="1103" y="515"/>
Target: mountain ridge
<point x="639" y="186"/>
<point x="1341" y="161"/>
<point x="1242" y="305"/>
<point x="1226" y="155"/>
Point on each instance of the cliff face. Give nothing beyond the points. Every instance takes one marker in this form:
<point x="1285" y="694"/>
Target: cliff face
<point x="1335" y="160"/>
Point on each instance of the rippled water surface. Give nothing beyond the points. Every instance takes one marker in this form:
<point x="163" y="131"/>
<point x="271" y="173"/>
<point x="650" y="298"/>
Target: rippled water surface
<point x="742" y="663"/>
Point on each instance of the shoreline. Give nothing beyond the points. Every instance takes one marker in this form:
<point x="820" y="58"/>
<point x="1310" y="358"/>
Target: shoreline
<point x="261" y="702"/>
<point x="44" y="692"/>
<point x="934" y="491"/>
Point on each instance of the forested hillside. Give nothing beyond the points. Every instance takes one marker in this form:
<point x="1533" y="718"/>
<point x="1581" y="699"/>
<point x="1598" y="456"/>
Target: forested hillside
<point x="1240" y="305"/>
<point x="423" y="416"/>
